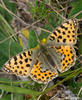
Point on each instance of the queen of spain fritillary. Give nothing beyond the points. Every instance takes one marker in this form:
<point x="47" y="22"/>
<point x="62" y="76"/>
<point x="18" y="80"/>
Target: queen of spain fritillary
<point x="43" y="63"/>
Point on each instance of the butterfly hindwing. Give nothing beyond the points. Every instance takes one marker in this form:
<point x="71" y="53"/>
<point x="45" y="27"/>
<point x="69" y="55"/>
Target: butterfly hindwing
<point x="40" y="76"/>
<point x="69" y="57"/>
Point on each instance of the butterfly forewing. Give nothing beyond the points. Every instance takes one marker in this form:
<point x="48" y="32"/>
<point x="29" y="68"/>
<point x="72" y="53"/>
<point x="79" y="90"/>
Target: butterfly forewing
<point x="20" y="64"/>
<point x="66" y="34"/>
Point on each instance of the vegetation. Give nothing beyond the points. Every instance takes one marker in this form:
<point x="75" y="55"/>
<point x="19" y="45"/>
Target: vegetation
<point x="30" y="18"/>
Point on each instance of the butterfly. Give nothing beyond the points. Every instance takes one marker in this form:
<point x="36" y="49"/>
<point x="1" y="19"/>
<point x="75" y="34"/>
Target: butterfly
<point x="52" y="55"/>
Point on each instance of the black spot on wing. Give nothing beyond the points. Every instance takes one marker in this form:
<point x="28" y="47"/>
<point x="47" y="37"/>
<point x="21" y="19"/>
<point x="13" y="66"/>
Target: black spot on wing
<point x="39" y="74"/>
<point x="20" y="56"/>
<point x="73" y="35"/>
<point x="35" y="76"/>
<point x="52" y="37"/>
<point x="58" y="40"/>
<point x="73" y="31"/>
<point x="29" y="53"/>
<point x="42" y="77"/>
<point x="17" y="66"/>
<point x="39" y="79"/>
<point x="27" y="65"/>
<point x="22" y="67"/>
<point x="26" y="60"/>
<point x="45" y="74"/>
<point x="20" y="72"/>
<point x="64" y="40"/>
<point x="15" y="63"/>
<point x="15" y="58"/>
<point x="60" y="37"/>
<point x="9" y="62"/>
<point x="58" y="30"/>
<point x="69" y="32"/>
<point x="63" y="33"/>
<point x="68" y="36"/>
<point x="25" y="70"/>
<point x="64" y="27"/>
<point x="30" y="59"/>
<point x="47" y="77"/>
<point x="24" y="54"/>
<point x="55" y="33"/>
<point x="67" y="22"/>
<point x="15" y="70"/>
<point x="70" y="40"/>
<point x="70" y="24"/>
<point x="20" y="62"/>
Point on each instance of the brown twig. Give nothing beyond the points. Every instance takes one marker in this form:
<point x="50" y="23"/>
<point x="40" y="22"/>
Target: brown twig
<point x="25" y="28"/>
<point x="59" y="4"/>
<point x="55" y="11"/>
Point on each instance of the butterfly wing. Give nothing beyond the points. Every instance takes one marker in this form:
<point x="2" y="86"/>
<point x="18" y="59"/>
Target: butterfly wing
<point x="20" y="64"/>
<point x="42" y="76"/>
<point x="69" y="57"/>
<point x="23" y="65"/>
<point x="63" y="38"/>
<point x="66" y="34"/>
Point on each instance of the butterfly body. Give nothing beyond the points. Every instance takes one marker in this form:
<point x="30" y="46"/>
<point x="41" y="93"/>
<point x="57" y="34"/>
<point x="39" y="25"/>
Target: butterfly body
<point x="47" y="55"/>
<point x="55" y="55"/>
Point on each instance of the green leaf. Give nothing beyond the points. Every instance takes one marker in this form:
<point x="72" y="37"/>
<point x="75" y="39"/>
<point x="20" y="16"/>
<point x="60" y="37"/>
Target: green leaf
<point x="19" y="90"/>
<point x="6" y="97"/>
<point x="18" y="97"/>
<point x="10" y="6"/>
<point x="4" y="51"/>
<point x="80" y="45"/>
<point x="74" y="86"/>
<point x="32" y="39"/>
<point x="76" y="7"/>
<point x="39" y="10"/>
<point x="5" y="27"/>
<point x="5" y="32"/>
